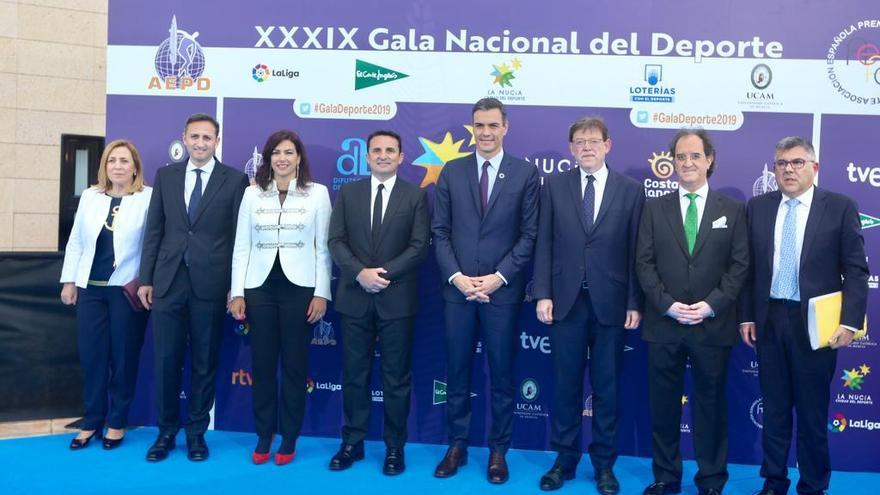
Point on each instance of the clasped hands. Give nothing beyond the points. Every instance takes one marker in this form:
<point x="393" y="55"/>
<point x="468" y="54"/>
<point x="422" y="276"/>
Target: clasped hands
<point x="372" y="281"/>
<point x="690" y="314"/>
<point x="477" y="288"/>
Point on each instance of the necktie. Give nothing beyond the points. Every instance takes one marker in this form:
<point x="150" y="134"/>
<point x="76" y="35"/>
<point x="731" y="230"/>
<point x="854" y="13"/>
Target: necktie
<point x="785" y="284"/>
<point x="377" y="213"/>
<point x="484" y="188"/>
<point x="589" y="201"/>
<point x="690" y="222"/>
<point x="195" y="197"/>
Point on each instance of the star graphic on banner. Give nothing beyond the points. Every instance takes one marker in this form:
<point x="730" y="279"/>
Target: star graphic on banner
<point x="852" y="379"/>
<point x="516" y="63"/>
<point x="436" y="155"/>
<point x="473" y="140"/>
<point x="503" y="75"/>
<point x="684" y="399"/>
<point x="865" y="369"/>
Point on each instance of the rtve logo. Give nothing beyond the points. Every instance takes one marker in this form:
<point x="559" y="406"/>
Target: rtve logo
<point x="871" y="175"/>
<point x="541" y="343"/>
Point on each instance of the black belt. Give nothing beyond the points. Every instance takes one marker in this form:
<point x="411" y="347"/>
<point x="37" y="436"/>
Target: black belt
<point x="785" y="302"/>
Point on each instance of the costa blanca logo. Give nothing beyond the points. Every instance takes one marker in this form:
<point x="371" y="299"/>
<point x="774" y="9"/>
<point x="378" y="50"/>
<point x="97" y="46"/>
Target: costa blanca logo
<point x="756" y="413"/>
<point x="529" y="389"/>
<point x="854" y="62"/>
<point x="260" y="72"/>
<point x="179" y="62"/>
<point x="367" y="75"/>
<point x="323" y="333"/>
<point x="837" y="423"/>
<point x="662" y="168"/>
<point x="653" y="92"/>
<point x="765" y="183"/>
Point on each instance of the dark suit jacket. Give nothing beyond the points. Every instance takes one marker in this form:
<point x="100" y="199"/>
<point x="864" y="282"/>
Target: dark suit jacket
<point x="565" y="248"/>
<point x="403" y="244"/>
<point x="715" y="273"/>
<point x="833" y="248"/>
<point x="168" y="233"/>
<point x="502" y="241"/>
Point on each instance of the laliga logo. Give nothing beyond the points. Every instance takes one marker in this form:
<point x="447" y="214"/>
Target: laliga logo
<point x="179" y="62"/>
<point x="662" y="165"/>
<point x="260" y="72"/>
<point x="837" y="424"/>
<point x="310" y="385"/>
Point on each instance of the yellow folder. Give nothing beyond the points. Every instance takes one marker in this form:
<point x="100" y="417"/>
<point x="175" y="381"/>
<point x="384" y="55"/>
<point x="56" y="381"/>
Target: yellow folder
<point x="823" y="318"/>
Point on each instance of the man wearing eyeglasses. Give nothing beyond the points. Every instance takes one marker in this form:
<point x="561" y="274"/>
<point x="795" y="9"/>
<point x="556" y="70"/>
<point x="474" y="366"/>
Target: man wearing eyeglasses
<point x="805" y="242"/>
<point x="692" y="260"/>
<point x="587" y="291"/>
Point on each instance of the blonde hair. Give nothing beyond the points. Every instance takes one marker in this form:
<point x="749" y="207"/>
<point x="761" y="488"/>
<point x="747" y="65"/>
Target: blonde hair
<point x="104" y="184"/>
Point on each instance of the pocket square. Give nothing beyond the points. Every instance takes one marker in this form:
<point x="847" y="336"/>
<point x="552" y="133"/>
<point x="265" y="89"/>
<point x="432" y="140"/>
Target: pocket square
<point x="720" y="223"/>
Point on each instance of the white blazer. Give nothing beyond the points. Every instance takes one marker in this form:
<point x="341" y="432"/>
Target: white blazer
<point x="297" y="232"/>
<point x="128" y="236"/>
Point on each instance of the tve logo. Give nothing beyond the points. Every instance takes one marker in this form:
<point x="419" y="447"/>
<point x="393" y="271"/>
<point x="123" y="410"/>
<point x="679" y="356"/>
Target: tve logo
<point x="541" y="343"/>
<point x="871" y="175"/>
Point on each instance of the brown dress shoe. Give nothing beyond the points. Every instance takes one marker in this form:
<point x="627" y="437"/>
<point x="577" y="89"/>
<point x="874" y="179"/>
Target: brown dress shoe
<point x="497" y="473"/>
<point x="455" y="457"/>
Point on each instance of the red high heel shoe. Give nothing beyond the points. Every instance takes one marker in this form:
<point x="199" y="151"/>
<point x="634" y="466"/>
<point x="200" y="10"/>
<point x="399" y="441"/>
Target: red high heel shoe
<point x="262" y="457"/>
<point x="282" y="459"/>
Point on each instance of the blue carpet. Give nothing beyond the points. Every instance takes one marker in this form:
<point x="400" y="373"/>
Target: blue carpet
<point x="45" y="465"/>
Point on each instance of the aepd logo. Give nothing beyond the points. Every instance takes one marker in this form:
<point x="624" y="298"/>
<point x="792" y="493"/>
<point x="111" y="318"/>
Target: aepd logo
<point x="179" y="62"/>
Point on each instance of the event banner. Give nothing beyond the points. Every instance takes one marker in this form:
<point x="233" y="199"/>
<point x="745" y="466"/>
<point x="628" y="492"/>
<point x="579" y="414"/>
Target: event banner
<point x="750" y="72"/>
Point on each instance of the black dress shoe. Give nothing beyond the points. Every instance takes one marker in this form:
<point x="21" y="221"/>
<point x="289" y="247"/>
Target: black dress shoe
<point x="394" y="464"/>
<point x="196" y="448"/>
<point x="455" y="457"/>
<point x="112" y="443"/>
<point x="346" y="456"/>
<point x="81" y="443"/>
<point x="662" y="488"/>
<point x="606" y="482"/>
<point x="160" y="448"/>
<point x="497" y="472"/>
<point x="556" y="477"/>
<point x="710" y="491"/>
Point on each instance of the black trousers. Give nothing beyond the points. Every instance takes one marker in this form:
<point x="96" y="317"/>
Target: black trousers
<point x="576" y="341"/>
<point x="463" y="324"/>
<point x="110" y="338"/>
<point x="277" y="314"/>
<point x="666" y="368"/>
<point x="358" y="345"/>
<point x="181" y="317"/>
<point x="794" y="377"/>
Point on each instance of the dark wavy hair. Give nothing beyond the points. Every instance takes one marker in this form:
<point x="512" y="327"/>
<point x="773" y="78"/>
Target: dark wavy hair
<point x="708" y="146"/>
<point x="265" y="174"/>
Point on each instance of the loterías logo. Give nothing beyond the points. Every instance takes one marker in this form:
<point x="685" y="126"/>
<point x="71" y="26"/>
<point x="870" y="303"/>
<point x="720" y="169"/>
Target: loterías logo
<point x="179" y="62"/>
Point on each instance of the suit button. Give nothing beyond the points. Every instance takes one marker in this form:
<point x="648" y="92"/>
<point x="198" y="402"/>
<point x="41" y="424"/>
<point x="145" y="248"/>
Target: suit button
<point x="189" y="232"/>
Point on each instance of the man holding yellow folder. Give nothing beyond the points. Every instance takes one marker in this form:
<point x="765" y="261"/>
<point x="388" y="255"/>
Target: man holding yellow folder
<point x="805" y="242"/>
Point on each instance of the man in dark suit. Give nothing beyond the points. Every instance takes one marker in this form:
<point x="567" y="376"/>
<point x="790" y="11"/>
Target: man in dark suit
<point x="485" y="223"/>
<point x="692" y="259"/>
<point x="185" y="272"/>
<point x="379" y="234"/>
<point x="805" y="242"/>
<point x="586" y="287"/>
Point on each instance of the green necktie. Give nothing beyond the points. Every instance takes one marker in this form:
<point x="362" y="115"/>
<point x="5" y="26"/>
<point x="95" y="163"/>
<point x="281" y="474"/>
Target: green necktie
<point x="690" y="222"/>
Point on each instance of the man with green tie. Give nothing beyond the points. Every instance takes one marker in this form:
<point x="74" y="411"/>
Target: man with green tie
<point x="692" y="258"/>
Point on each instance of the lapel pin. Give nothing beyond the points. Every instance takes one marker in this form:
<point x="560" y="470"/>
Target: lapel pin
<point x="501" y="175"/>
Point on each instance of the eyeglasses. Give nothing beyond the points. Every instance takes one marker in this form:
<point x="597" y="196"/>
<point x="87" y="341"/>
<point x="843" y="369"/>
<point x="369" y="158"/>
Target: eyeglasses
<point x="583" y="143"/>
<point x="797" y="163"/>
<point x="683" y="157"/>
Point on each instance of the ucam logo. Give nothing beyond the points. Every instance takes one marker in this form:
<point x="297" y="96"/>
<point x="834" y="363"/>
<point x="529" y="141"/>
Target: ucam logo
<point x="367" y="75"/>
<point x="179" y="62"/>
<point x="541" y="343"/>
<point x="870" y="175"/>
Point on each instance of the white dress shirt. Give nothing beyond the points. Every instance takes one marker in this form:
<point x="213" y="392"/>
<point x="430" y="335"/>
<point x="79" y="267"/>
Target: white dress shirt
<point x="803" y="212"/>
<point x="684" y="202"/>
<point x="601" y="178"/>
<point x="189" y="181"/>
<point x="494" y="164"/>
<point x="386" y="193"/>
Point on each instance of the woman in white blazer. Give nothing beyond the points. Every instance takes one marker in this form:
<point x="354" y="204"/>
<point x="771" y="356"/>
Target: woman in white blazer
<point x="281" y="283"/>
<point x="103" y="255"/>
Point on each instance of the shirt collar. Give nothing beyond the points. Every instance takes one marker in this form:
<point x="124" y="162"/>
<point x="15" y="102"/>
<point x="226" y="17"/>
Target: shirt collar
<point x="702" y="192"/>
<point x="206" y="168"/>
<point x="600" y="175"/>
<point x="806" y="198"/>
<point x="494" y="162"/>
<point x="389" y="182"/>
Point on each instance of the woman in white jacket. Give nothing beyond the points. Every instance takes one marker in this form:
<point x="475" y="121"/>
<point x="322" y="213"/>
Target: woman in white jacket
<point x="102" y="256"/>
<point x="281" y="276"/>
